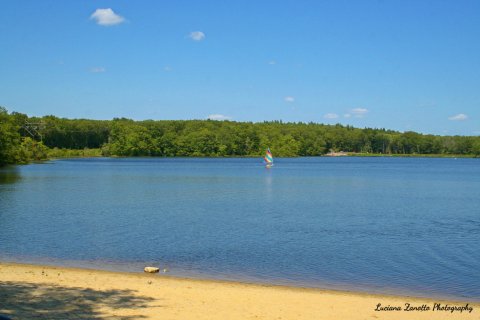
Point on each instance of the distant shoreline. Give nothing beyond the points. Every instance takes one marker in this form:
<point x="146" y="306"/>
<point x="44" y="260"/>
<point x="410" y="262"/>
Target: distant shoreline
<point x="412" y="155"/>
<point x="335" y="154"/>
<point x="34" y="138"/>
<point x="70" y="293"/>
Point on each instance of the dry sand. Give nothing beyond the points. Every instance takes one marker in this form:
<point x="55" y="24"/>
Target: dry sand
<point x="44" y="292"/>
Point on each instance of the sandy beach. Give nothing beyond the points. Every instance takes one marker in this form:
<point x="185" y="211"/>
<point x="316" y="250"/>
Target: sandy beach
<point x="45" y="292"/>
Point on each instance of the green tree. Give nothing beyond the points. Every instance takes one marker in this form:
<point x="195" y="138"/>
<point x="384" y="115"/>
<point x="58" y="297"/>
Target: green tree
<point x="31" y="150"/>
<point x="9" y="138"/>
<point x="476" y="146"/>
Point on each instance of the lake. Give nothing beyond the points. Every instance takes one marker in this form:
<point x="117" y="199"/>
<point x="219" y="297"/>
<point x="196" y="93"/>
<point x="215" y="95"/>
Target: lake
<point x="386" y="225"/>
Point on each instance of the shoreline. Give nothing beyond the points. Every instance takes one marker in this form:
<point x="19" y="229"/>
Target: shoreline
<point x="346" y="154"/>
<point x="176" y="273"/>
<point x="27" y="290"/>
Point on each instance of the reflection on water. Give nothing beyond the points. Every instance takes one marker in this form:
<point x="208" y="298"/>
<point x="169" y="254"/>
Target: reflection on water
<point x="268" y="184"/>
<point x="380" y="224"/>
<point x="9" y="175"/>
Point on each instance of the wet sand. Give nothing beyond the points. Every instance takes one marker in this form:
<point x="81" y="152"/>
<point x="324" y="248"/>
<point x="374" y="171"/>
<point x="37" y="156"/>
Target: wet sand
<point x="45" y="292"/>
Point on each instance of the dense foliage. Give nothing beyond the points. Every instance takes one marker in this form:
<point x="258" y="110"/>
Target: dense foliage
<point x="13" y="147"/>
<point x="9" y="138"/>
<point x="20" y="141"/>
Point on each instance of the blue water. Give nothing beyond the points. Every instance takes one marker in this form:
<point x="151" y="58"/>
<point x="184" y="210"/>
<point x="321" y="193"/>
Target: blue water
<point x="387" y="225"/>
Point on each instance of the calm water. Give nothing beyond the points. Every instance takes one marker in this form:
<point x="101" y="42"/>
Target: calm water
<point x="409" y="226"/>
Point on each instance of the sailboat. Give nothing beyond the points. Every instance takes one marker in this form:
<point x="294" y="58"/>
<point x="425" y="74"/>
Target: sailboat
<point x="268" y="159"/>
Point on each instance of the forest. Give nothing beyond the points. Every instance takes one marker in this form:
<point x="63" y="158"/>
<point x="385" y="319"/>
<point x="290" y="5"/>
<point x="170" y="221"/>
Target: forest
<point x="24" y="139"/>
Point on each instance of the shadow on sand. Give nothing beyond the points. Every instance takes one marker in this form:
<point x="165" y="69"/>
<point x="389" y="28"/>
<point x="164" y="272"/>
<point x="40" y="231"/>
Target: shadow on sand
<point x="38" y="301"/>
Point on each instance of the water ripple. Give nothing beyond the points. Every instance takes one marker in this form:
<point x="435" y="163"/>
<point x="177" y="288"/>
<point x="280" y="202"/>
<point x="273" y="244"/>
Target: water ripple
<point x="383" y="225"/>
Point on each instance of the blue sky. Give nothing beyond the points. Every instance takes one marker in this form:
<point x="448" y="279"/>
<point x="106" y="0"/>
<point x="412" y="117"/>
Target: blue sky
<point x="402" y="65"/>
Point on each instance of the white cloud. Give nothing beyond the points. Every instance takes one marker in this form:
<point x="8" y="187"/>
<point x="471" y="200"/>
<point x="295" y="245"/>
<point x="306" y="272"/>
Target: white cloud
<point x="331" y="116"/>
<point x="197" y="35"/>
<point x="458" y="117"/>
<point x="289" y="99"/>
<point x="219" y="117"/>
<point x="97" y="69"/>
<point x="106" y="17"/>
<point x="347" y="115"/>
<point x="272" y="62"/>
<point x="167" y="69"/>
<point x="359" y="112"/>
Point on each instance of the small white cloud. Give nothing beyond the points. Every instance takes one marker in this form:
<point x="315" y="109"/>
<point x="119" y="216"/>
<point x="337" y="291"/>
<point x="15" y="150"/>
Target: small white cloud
<point x="106" y="17"/>
<point x="359" y="112"/>
<point x="458" y="117"/>
<point x="331" y="116"/>
<point x="219" y="117"/>
<point x="272" y="62"/>
<point x="167" y="69"/>
<point x="197" y="35"/>
<point x="97" y="69"/>
<point x="347" y="115"/>
<point x="289" y="99"/>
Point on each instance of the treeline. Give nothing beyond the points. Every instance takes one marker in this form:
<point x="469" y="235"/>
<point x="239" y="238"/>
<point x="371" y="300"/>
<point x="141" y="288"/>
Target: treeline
<point x="226" y="138"/>
<point x="15" y="147"/>
<point x="24" y="138"/>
